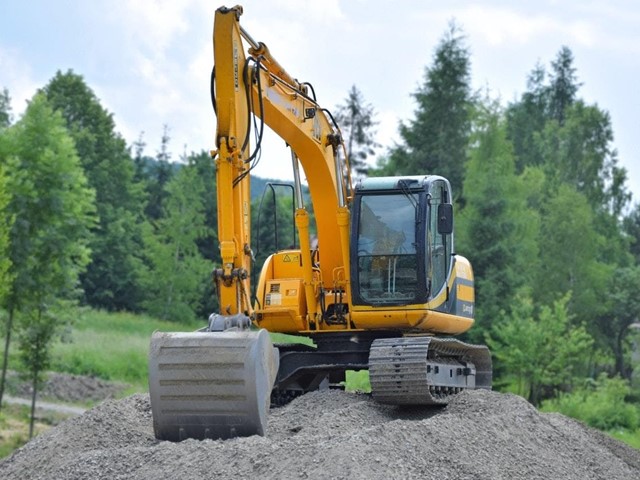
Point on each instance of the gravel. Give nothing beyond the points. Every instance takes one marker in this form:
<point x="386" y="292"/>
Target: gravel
<point x="334" y="435"/>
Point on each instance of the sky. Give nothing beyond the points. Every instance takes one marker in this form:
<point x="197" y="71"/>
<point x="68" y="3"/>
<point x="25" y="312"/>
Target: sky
<point x="149" y="61"/>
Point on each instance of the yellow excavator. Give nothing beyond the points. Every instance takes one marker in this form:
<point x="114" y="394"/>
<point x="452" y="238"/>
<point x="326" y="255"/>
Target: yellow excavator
<point x="382" y="290"/>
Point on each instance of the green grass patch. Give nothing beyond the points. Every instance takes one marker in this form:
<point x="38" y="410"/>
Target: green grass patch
<point x="111" y="346"/>
<point x="357" y="381"/>
<point x="14" y="428"/>
<point x="599" y="403"/>
<point x="285" y="338"/>
<point x="630" y="438"/>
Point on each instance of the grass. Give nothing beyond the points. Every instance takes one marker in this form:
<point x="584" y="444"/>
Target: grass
<point x="111" y="346"/>
<point x="630" y="438"/>
<point x="14" y="427"/>
<point x="358" y="381"/>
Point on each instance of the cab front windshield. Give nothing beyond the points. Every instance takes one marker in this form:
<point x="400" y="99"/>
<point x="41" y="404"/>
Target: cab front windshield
<point x="387" y="263"/>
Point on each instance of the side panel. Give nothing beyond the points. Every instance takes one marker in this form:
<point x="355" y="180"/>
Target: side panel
<point x="282" y="305"/>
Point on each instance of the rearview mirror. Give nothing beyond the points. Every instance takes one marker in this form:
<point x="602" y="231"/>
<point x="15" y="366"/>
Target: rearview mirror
<point x="445" y="219"/>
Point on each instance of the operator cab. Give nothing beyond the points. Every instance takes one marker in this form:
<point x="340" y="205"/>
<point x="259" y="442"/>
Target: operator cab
<point x="403" y="231"/>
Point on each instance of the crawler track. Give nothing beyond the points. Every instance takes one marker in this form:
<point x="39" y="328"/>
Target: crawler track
<point x="426" y="370"/>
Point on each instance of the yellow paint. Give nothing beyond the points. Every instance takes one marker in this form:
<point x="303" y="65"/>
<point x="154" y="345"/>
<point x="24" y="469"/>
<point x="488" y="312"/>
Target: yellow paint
<point x="465" y="293"/>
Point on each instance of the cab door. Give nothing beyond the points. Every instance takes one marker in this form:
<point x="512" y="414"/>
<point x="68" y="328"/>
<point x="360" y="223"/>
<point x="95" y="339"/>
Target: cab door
<point x="438" y="242"/>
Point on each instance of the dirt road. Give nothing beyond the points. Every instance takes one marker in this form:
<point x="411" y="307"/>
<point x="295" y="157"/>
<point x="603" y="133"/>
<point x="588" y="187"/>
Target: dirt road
<point x="53" y="407"/>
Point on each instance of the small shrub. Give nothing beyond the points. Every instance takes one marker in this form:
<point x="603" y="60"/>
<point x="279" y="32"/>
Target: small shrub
<point x="600" y="404"/>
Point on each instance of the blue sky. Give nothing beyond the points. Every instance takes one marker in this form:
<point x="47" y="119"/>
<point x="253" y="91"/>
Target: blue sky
<point x="149" y="61"/>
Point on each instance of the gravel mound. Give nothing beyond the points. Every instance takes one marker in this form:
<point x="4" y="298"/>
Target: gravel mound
<point x="332" y="434"/>
<point x="64" y="387"/>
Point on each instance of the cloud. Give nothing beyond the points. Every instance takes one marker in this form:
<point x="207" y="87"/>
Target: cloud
<point x="18" y="78"/>
<point x="154" y="23"/>
<point x="324" y="12"/>
<point x="505" y="26"/>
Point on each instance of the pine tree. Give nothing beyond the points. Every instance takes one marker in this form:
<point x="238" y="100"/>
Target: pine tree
<point x="527" y="118"/>
<point x="357" y="122"/>
<point x="177" y="271"/>
<point x="436" y="140"/>
<point x="139" y="159"/>
<point x="564" y="84"/>
<point x="159" y="175"/>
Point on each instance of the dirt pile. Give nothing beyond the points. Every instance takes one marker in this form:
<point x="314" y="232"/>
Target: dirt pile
<point x="480" y="435"/>
<point x="64" y="387"/>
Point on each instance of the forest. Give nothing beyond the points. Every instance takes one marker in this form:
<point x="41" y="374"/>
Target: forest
<point x="543" y="213"/>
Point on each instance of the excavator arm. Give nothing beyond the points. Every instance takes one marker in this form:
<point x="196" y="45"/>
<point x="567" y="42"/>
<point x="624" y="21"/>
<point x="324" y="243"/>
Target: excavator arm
<point x="256" y="84"/>
<point x="215" y="383"/>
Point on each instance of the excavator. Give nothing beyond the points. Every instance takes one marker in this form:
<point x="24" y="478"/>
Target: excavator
<point x="381" y="289"/>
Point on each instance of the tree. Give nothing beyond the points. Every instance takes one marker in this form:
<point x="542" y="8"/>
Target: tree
<point x="526" y="119"/>
<point x="34" y="344"/>
<point x="207" y="242"/>
<point x="111" y="280"/>
<point x="564" y="84"/>
<point x="6" y="222"/>
<point x="436" y="140"/>
<point x="53" y="207"/>
<point x="539" y="348"/>
<point x="139" y="160"/>
<point x="540" y="104"/>
<point x="570" y="250"/>
<point x="624" y="310"/>
<point x="496" y="229"/>
<point x="177" y="271"/>
<point x="5" y="109"/>
<point x="631" y="226"/>
<point x="550" y="126"/>
<point x="579" y="153"/>
<point x="357" y="120"/>
<point x="159" y="175"/>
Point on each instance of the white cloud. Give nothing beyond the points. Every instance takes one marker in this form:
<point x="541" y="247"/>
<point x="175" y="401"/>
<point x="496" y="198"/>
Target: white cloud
<point x="154" y="23"/>
<point x="505" y="26"/>
<point x="18" y="78"/>
<point x="318" y="12"/>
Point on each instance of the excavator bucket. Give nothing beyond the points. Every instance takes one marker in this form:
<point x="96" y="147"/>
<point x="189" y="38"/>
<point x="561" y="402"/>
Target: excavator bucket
<point x="211" y="384"/>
